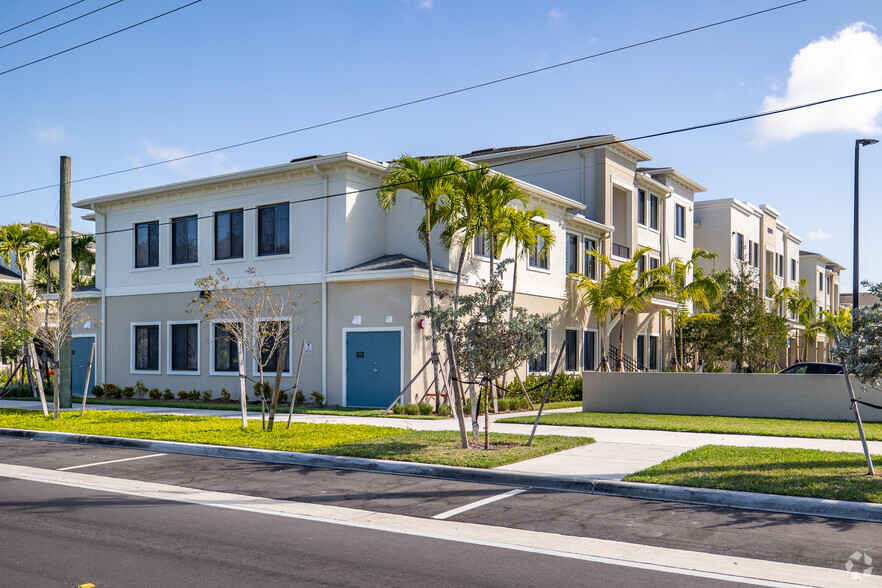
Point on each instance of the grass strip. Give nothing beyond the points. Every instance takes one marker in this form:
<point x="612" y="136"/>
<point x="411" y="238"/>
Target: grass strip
<point x="709" y="424"/>
<point x="791" y="472"/>
<point x="438" y="447"/>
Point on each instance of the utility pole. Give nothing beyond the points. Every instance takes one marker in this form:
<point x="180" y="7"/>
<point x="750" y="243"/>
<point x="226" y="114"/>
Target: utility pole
<point x="64" y="295"/>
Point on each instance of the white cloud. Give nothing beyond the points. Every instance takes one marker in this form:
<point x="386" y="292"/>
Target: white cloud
<point x="848" y="63"/>
<point x="556" y="16"/>
<point x="818" y="235"/>
<point x="426" y="4"/>
<point x="46" y="134"/>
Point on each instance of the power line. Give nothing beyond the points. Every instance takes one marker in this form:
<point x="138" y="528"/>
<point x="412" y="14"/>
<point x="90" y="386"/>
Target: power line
<point x="572" y="150"/>
<point x="59" y="25"/>
<point x="408" y="103"/>
<point x="42" y="17"/>
<point x="68" y="50"/>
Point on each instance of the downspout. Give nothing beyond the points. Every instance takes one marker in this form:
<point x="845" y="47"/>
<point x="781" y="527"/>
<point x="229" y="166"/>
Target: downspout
<point x="324" y="293"/>
<point x="103" y="325"/>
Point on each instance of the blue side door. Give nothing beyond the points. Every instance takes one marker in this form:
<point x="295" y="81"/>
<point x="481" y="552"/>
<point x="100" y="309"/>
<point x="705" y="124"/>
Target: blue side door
<point x="79" y="363"/>
<point x="373" y="368"/>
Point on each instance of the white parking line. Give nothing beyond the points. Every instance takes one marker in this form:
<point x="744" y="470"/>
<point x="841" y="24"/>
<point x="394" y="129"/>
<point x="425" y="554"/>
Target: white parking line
<point x="461" y="509"/>
<point x="88" y="465"/>
<point x="755" y="572"/>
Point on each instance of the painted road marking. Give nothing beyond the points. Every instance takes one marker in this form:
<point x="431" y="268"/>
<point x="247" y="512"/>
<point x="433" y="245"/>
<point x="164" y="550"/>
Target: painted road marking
<point x="98" y="463"/>
<point x="462" y="509"/>
<point x="754" y="572"/>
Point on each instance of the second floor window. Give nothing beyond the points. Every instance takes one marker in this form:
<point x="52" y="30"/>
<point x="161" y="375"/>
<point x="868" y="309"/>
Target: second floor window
<point x="481" y="246"/>
<point x="572" y="254"/>
<point x="793" y="269"/>
<point x="739" y="246"/>
<point x="680" y="222"/>
<point x="228" y="234"/>
<point x="147" y="244"/>
<point x="539" y="256"/>
<point x="820" y="282"/>
<point x="272" y="229"/>
<point x="653" y="263"/>
<point x="185" y="239"/>
<point x="641" y="207"/>
<point x="653" y="211"/>
<point x="590" y="260"/>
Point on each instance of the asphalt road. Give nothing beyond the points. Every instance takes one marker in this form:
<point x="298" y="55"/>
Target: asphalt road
<point x="361" y="529"/>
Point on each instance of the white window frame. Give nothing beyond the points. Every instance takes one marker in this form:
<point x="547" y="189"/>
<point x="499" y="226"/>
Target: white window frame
<point x="579" y="240"/>
<point x="597" y="244"/>
<point x="677" y="208"/>
<point x="596" y="359"/>
<point x="256" y="224"/>
<point x="246" y="254"/>
<point x="547" y="355"/>
<point x="536" y="268"/>
<point x="170" y="236"/>
<point x="169" y="370"/>
<point x="134" y="242"/>
<point x="132" y="346"/>
<point x="578" y="332"/>
<point x="211" y="370"/>
<point x="255" y="371"/>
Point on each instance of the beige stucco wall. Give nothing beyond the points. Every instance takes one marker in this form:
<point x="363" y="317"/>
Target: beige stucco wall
<point x="748" y="395"/>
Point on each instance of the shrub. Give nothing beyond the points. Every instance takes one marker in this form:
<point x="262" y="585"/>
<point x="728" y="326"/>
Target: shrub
<point x="317" y="397"/>
<point x="140" y="389"/>
<point x="283" y="396"/>
<point x="503" y="405"/>
<point x="194" y="395"/>
<point x="425" y="408"/>
<point x="267" y="390"/>
<point x="182" y="394"/>
<point x="411" y="408"/>
<point x="206" y="396"/>
<point x="97" y="391"/>
<point x="155" y="394"/>
<point x="128" y="392"/>
<point x="565" y="387"/>
<point x="398" y="408"/>
<point x="167" y="395"/>
<point x="225" y="396"/>
<point x="444" y="410"/>
<point x="112" y="391"/>
<point x="299" y="398"/>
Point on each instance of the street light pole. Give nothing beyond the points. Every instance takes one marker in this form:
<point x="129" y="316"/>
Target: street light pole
<point x="856" y="280"/>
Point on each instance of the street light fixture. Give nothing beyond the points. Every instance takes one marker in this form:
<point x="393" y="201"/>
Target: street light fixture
<point x="856" y="280"/>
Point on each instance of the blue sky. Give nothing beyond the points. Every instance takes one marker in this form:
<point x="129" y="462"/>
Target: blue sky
<point x="225" y="71"/>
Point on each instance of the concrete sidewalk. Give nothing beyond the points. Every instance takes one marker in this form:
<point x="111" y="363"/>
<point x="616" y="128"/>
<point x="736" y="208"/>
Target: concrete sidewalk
<point x="615" y="454"/>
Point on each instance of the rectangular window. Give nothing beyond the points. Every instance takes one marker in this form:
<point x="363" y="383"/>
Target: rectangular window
<point x="185" y="239"/>
<point x="793" y="270"/>
<point x="185" y="348"/>
<point x="756" y="257"/>
<point x="588" y="351"/>
<point x="641" y="207"/>
<point x="680" y="222"/>
<point x="653" y="352"/>
<point x="539" y="362"/>
<point x="147" y="348"/>
<point x="641" y="265"/>
<point x="653" y="263"/>
<point x="539" y="257"/>
<point x="147" y="244"/>
<point x="228" y="234"/>
<point x="226" y="350"/>
<point x="479" y="246"/>
<point x="641" y="356"/>
<point x="572" y="352"/>
<point x="273" y="229"/>
<point x="739" y="246"/>
<point x="590" y="260"/>
<point x="572" y="254"/>
<point x="272" y="361"/>
<point x="653" y="211"/>
<point x="820" y="282"/>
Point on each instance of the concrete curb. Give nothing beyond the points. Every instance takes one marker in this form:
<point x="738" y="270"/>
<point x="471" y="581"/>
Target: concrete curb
<point x="797" y="505"/>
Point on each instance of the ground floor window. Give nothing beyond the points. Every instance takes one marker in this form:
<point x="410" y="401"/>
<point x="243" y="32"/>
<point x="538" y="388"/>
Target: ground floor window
<point x="146" y="348"/>
<point x="653" y="352"/>
<point x="539" y="362"/>
<point x="226" y="350"/>
<point x="185" y="347"/>
<point x="269" y="354"/>
<point x="572" y="350"/>
<point x="641" y="356"/>
<point x="588" y="351"/>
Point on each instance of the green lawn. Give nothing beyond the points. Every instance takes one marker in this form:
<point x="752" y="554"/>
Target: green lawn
<point x="710" y="424"/>
<point x="792" y="472"/>
<point x="352" y="440"/>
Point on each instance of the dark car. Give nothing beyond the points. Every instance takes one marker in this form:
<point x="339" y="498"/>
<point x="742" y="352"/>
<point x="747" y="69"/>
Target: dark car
<point x="813" y="367"/>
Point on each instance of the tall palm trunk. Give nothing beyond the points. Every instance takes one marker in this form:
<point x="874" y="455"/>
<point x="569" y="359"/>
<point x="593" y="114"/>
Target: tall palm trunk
<point x="24" y="321"/>
<point x="436" y="368"/>
<point x="460" y="263"/>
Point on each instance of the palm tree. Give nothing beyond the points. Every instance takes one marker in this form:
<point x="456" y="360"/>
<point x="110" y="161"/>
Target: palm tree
<point x="81" y="255"/>
<point x="528" y="237"/>
<point x="47" y="251"/>
<point x="701" y="290"/>
<point x="801" y="306"/>
<point x="625" y="289"/>
<point x="462" y="215"/>
<point x="601" y="302"/>
<point x="430" y="181"/>
<point x="19" y="242"/>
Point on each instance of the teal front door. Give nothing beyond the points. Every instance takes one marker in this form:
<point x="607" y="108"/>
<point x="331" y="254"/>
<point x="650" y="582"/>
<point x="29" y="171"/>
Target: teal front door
<point x="81" y="347"/>
<point x="373" y="368"/>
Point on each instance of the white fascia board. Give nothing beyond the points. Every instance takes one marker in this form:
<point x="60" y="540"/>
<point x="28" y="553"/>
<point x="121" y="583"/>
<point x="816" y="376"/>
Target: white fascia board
<point x="600" y="141"/>
<point x="275" y="170"/>
<point x="396" y="274"/>
<point x="680" y="178"/>
<point x="661" y="302"/>
<point x="578" y="221"/>
<point x="644" y="179"/>
<point x="770" y="210"/>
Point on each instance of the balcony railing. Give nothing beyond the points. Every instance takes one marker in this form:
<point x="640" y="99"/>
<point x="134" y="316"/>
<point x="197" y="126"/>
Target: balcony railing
<point x="621" y="251"/>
